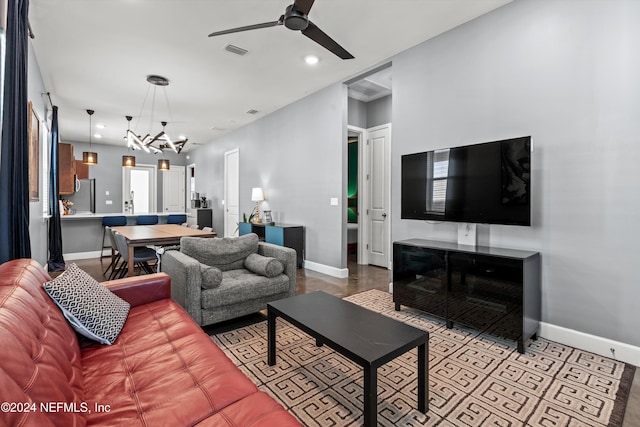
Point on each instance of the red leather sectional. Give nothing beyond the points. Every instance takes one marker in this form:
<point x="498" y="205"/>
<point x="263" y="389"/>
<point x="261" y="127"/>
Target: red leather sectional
<point x="163" y="370"/>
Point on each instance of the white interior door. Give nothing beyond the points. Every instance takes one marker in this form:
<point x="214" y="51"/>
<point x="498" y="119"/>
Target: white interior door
<point x="139" y="186"/>
<point x="231" y="192"/>
<point x="173" y="198"/>
<point x="379" y="222"/>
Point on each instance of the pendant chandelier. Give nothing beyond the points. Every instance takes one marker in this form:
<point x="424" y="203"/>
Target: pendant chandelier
<point x="161" y="141"/>
<point x="90" y="157"/>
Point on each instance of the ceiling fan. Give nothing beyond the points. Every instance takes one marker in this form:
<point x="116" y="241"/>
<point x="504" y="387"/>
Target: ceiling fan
<point x="296" y="18"/>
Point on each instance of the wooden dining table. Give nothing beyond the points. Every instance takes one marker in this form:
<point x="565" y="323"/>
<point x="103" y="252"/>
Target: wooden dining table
<point x="158" y="235"/>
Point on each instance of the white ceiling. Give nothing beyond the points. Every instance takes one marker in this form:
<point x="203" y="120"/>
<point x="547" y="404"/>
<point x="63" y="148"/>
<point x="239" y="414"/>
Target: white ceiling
<point x="96" y="55"/>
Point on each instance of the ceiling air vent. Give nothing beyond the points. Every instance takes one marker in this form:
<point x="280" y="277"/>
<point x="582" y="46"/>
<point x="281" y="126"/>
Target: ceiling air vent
<point x="252" y="111"/>
<point x="235" y="49"/>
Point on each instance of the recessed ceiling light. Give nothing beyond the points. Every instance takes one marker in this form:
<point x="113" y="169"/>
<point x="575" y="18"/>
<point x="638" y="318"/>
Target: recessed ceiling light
<point x="311" y="59"/>
<point x="97" y="135"/>
<point x="182" y="137"/>
<point x="101" y="126"/>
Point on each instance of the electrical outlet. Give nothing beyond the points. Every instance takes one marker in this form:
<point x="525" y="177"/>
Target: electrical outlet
<point x="613" y="352"/>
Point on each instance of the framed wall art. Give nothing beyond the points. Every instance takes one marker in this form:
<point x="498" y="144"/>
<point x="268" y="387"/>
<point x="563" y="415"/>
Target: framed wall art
<point x="34" y="154"/>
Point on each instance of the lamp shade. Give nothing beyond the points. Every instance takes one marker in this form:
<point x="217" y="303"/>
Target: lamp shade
<point x="257" y="195"/>
<point x="90" y="157"/>
<point x="128" y="161"/>
<point x="163" y="164"/>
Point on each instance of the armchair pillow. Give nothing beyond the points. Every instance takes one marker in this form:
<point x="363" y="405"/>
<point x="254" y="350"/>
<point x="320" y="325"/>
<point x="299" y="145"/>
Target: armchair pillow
<point x="89" y="307"/>
<point x="265" y="266"/>
<point x="211" y="276"/>
<point x="225" y="253"/>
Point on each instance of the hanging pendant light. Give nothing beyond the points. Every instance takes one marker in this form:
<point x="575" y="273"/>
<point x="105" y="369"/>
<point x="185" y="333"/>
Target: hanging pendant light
<point x="164" y="165"/>
<point x="90" y="157"/>
<point x="128" y="161"/>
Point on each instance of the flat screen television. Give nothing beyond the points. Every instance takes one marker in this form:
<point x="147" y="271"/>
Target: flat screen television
<point x="488" y="183"/>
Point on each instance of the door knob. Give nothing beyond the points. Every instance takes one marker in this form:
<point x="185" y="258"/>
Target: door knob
<point x="384" y="215"/>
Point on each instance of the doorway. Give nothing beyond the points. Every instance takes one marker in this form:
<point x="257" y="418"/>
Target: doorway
<point x="173" y="189"/>
<point x="231" y="192"/>
<point x="369" y="140"/>
<point x="139" y="189"/>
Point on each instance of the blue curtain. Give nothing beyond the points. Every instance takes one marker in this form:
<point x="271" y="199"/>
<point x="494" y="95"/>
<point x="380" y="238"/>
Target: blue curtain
<point x="56" y="261"/>
<point x="14" y="155"/>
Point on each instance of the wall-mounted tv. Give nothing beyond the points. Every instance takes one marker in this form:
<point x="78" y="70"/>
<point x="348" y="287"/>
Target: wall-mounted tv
<point x="488" y="183"/>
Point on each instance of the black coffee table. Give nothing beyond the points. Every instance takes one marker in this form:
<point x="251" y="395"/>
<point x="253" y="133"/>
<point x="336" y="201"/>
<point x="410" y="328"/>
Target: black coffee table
<point x="363" y="336"/>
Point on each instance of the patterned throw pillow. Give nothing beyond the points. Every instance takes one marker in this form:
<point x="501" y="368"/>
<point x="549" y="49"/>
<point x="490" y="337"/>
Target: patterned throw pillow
<point x="91" y="309"/>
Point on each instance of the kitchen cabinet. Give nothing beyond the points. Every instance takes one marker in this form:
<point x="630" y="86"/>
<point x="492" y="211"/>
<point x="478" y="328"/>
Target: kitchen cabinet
<point x="67" y="169"/>
<point x="82" y="169"/>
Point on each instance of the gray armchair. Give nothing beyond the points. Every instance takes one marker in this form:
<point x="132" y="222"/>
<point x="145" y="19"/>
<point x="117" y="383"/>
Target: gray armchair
<point x="217" y="279"/>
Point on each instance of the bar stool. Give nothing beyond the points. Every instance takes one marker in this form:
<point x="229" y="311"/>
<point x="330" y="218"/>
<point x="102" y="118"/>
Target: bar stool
<point x="147" y="220"/>
<point x="176" y="219"/>
<point x="111" y="221"/>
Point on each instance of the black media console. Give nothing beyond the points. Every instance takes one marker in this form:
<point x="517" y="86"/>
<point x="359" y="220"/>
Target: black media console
<point x="493" y="290"/>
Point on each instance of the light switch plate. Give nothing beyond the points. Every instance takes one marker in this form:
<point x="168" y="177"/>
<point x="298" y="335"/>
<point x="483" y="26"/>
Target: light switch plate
<point x="334" y="201"/>
<point x="109" y="202"/>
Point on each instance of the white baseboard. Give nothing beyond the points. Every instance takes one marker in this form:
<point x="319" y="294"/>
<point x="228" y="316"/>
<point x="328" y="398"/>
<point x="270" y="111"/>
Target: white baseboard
<point x="82" y="255"/>
<point x="598" y="345"/>
<point x="341" y="273"/>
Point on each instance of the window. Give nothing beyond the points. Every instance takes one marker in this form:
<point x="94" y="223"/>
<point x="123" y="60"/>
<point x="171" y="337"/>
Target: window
<point x="437" y="177"/>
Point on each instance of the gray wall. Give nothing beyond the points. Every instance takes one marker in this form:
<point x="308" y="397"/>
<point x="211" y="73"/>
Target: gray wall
<point x="38" y="226"/>
<point x="296" y="154"/>
<point x="566" y="73"/>
<point x="366" y="115"/>
<point x="357" y="113"/>
<point x="108" y="171"/>
<point x="379" y="112"/>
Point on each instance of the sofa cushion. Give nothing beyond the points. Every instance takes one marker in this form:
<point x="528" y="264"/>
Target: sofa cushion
<point x="226" y="253"/>
<point x="40" y="356"/>
<point x="263" y="265"/>
<point x="242" y="285"/>
<point x="162" y="370"/>
<point x="211" y="276"/>
<point x="92" y="310"/>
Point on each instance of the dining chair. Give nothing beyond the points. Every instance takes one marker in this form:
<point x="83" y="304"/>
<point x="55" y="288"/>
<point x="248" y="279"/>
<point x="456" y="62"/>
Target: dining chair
<point x="141" y="256"/>
<point x="176" y="218"/>
<point x="115" y="257"/>
<point x="147" y="220"/>
<point x="111" y="221"/>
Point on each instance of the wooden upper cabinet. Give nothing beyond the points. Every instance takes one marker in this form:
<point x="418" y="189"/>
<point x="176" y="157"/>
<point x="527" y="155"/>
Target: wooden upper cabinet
<point x="82" y="170"/>
<point x="67" y="166"/>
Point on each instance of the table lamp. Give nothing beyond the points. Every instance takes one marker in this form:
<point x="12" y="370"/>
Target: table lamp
<point x="257" y="195"/>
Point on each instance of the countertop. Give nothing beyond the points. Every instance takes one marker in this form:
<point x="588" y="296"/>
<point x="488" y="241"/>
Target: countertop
<point x="89" y="215"/>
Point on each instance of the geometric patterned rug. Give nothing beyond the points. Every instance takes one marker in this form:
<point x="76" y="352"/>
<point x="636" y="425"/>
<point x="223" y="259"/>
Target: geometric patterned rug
<point x="474" y="379"/>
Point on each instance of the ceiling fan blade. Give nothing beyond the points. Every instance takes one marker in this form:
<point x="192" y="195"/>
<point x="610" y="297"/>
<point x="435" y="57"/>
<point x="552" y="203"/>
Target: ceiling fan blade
<point x="320" y="37"/>
<point x="247" y="28"/>
<point x="303" y="6"/>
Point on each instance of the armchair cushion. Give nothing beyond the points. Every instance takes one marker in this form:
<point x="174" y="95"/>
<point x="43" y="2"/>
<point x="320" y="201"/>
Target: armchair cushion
<point x="211" y="276"/>
<point x="89" y="307"/>
<point x="241" y="286"/>
<point x="226" y="253"/>
<point x="265" y="266"/>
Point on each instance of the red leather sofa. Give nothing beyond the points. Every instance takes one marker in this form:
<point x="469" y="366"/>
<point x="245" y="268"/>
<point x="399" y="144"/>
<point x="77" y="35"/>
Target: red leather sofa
<point x="163" y="370"/>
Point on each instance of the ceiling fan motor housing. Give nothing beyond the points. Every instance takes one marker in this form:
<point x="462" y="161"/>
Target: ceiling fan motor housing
<point x="294" y="19"/>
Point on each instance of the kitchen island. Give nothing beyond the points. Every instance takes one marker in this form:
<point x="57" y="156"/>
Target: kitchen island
<point x="82" y="232"/>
